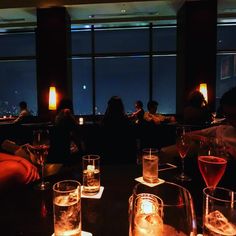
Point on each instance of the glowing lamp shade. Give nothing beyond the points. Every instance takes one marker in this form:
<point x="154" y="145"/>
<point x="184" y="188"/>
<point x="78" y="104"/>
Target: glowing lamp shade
<point x="52" y="103"/>
<point x="203" y="90"/>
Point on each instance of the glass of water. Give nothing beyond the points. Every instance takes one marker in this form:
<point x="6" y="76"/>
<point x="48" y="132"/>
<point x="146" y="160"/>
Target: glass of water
<point x="67" y="208"/>
<point x="150" y="165"/>
<point x="219" y="211"/>
<point x="91" y="174"/>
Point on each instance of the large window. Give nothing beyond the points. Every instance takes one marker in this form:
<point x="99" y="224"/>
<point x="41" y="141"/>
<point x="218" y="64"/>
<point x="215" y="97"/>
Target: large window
<point x="226" y="59"/>
<point x="123" y="64"/>
<point x="122" y="40"/>
<point x="82" y="86"/>
<point x="122" y="61"/>
<point x="164" y="83"/>
<point x="126" y="77"/>
<point x="18" y="83"/>
<point x="17" y="72"/>
<point x="17" y="44"/>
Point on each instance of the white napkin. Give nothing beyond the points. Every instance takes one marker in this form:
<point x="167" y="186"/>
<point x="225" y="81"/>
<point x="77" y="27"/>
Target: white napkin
<point x="140" y="179"/>
<point x="96" y="196"/>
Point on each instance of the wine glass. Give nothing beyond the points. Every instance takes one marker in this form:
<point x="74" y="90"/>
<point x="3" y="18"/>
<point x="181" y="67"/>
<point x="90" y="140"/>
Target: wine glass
<point x="183" y="143"/>
<point x="211" y="165"/>
<point x="40" y="146"/>
<point x="155" y="216"/>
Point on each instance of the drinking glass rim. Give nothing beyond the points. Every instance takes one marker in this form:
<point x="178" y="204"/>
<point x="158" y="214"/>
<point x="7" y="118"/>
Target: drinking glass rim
<point x="66" y="191"/>
<point x="218" y="199"/>
<point x="148" y="150"/>
<point x="91" y="157"/>
<point x="222" y="158"/>
<point x="174" y="184"/>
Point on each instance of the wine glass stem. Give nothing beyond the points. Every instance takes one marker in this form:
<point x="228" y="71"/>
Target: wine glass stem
<point x="42" y="174"/>
<point x="182" y="174"/>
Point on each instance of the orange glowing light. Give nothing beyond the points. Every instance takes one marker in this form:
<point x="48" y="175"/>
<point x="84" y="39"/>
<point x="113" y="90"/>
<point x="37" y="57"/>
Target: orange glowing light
<point x="52" y="103"/>
<point x="203" y="90"/>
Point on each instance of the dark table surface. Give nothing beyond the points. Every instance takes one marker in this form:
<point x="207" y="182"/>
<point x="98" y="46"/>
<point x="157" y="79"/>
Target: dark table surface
<point x="28" y="212"/>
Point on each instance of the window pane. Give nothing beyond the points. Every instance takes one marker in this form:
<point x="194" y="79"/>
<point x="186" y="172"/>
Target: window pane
<point x="18" y="83"/>
<point x="81" y="42"/>
<point x="82" y="86"/>
<point x="125" y="40"/>
<point x="226" y="75"/>
<point x="164" y="39"/>
<point x="126" y="77"/>
<point x="164" y="84"/>
<point x="17" y="45"/>
<point x="226" y="37"/>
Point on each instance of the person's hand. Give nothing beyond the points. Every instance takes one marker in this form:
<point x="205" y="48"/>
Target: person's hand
<point x="31" y="171"/>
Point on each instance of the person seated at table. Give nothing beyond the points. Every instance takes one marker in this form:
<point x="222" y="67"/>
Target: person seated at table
<point x="152" y="116"/>
<point x="16" y="170"/>
<point x="224" y="132"/>
<point x="197" y="112"/>
<point x="64" y="138"/>
<point x="24" y="115"/>
<point x="118" y="141"/>
<point x="138" y="115"/>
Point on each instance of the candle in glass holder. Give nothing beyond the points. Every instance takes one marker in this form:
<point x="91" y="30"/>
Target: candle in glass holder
<point x="148" y="216"/>
<point x="81" y="120"/>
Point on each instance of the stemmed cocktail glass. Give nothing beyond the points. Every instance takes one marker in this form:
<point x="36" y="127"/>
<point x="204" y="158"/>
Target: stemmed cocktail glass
<point x="211" y="165"/>
<point x="183" y="143"/>
<point x="40" y="146"/>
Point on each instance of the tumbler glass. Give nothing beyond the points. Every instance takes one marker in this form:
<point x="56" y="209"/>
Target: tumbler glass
<point x="91" y="174"/>
<point x="67" y="208"/>
<point x="219" y="211"/>
<point x="150" y="165"/>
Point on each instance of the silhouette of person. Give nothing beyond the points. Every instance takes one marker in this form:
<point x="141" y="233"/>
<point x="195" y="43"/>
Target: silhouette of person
<point x="138" y="115"/>
<point x="197" y="112"/>
<point x="63" y="133"/>
<point x="152" y="116"/>
<point x="24" y="113"/>
<point x="118" y="142"/>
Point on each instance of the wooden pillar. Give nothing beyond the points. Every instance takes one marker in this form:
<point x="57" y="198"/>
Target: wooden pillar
<point x="53" y="55"/>
<point x="196" y="50"/>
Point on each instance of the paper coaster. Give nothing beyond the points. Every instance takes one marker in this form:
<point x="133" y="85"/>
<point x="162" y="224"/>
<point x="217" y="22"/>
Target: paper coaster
<point x="84" y="233"/>
<point x="96" y="196"/>
<point x="140" y="180"/>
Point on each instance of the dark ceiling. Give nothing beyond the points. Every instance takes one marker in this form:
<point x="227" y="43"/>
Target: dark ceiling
<point x="15" y="14"/>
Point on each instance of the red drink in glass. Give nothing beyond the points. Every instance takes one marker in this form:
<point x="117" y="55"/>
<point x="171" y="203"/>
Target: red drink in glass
<point x="212" y="169"/>
<point x="182" y="147"/>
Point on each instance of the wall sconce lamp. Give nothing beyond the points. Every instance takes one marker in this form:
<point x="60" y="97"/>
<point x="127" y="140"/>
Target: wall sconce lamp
<point x="52" y="103"/>
<point x="203" y="90"/>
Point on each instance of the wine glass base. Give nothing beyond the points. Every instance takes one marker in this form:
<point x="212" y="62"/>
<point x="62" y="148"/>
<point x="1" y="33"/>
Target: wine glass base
<point x="42" y="186"/>
<point x="183" y="177"/>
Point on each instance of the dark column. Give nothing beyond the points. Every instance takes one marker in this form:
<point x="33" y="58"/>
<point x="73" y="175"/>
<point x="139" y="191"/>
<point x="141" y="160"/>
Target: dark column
<point x="53" y="51"/>
<point x="196" y="49"/>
